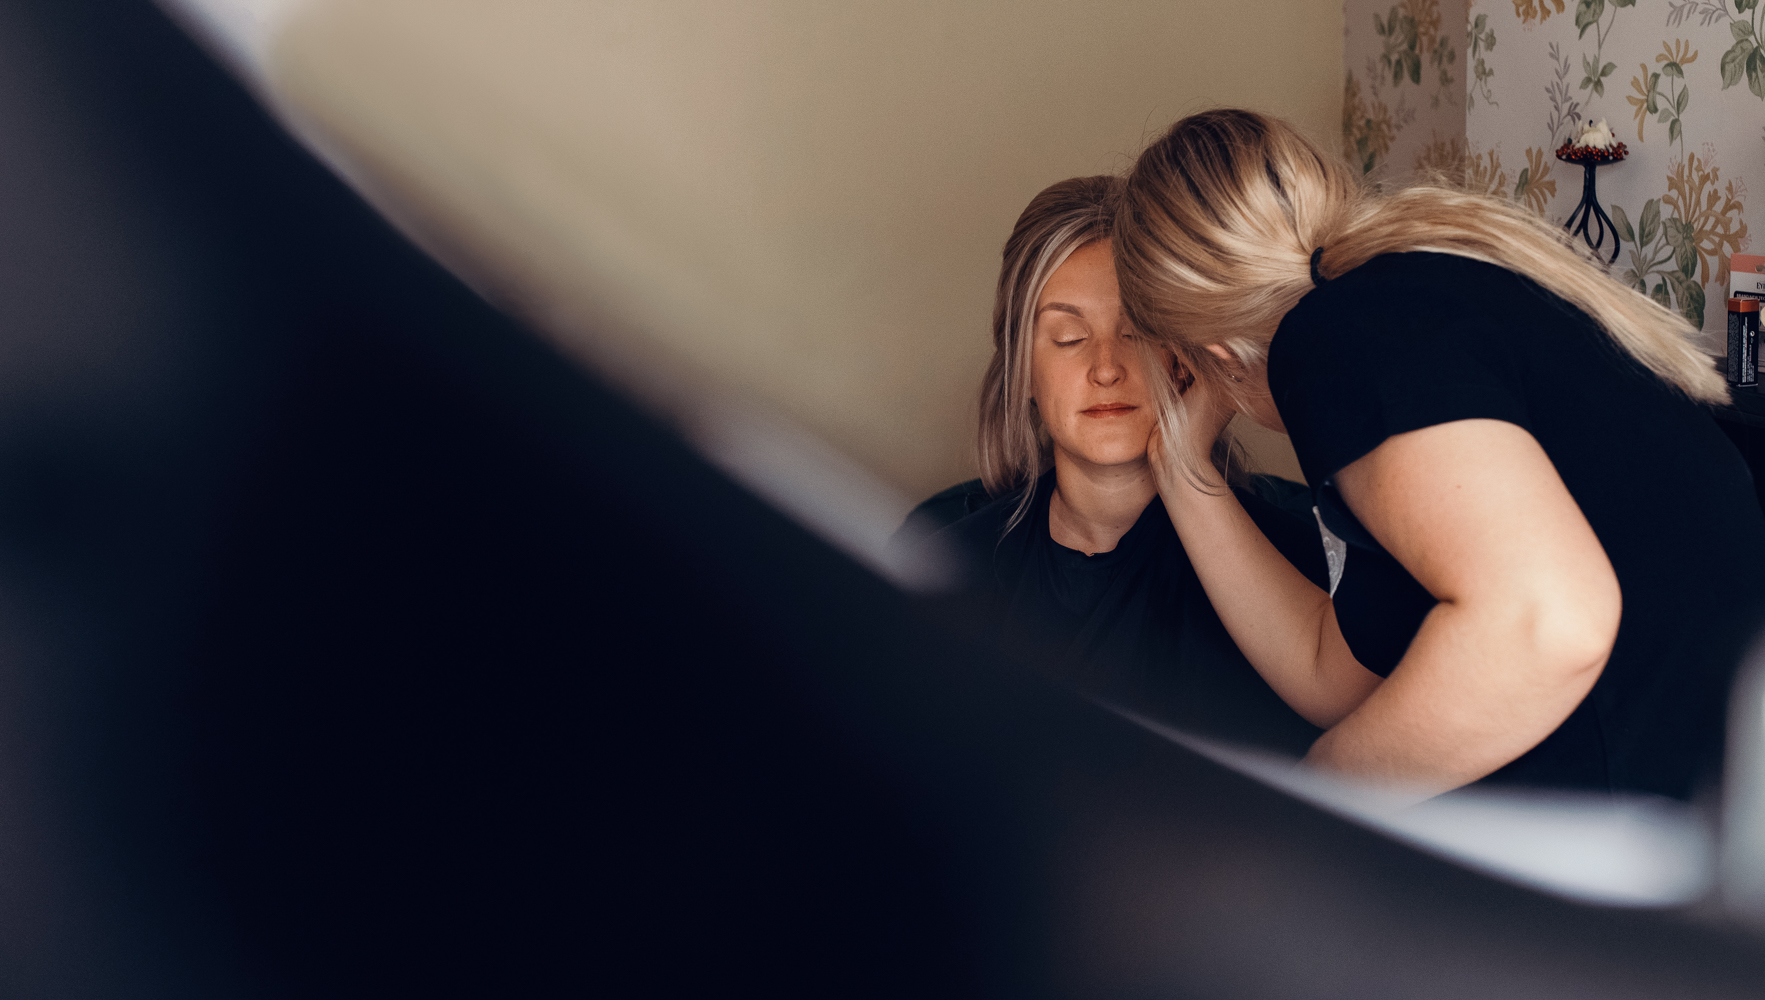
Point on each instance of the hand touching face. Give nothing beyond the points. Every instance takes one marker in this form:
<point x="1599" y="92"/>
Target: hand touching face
<point x="1086" y="368"/>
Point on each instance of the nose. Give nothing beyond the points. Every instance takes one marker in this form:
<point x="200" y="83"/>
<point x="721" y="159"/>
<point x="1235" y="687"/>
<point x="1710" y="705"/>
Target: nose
<point x="1108" y="367"/>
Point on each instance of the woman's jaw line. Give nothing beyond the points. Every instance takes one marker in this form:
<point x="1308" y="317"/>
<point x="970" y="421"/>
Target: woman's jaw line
<point x="1131" y="468"/>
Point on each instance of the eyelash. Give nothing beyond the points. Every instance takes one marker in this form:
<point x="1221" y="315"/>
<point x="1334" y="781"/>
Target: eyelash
<point x="1080" y="340"/>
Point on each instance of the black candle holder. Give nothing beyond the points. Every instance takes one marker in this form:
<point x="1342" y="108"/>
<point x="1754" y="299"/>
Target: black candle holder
<point x="1589" y="213"/>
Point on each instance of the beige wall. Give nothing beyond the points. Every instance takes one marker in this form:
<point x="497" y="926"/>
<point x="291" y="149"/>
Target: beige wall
<point x="801" y="202"/>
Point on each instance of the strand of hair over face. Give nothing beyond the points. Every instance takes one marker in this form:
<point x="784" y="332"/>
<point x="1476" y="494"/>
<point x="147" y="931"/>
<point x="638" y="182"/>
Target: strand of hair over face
<point x="1020" y="447"/>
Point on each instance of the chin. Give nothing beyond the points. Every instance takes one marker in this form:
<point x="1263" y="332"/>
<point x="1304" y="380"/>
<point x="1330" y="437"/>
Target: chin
<point x="1112" y="447"/>
<point x="1114" y="457"/>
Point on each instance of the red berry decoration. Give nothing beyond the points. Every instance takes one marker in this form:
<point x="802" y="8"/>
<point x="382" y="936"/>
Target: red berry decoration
<point x="1568" y="152"/>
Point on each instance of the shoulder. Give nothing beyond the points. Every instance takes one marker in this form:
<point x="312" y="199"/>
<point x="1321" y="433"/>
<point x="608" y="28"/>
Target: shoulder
<point x="1391" y="295"/>
<point x="943" y="509"/>
<point x="979" y="542"/>
<point x="1421" y="272"/>
<point x="1407" y="341"/>
<point x="986" y="525"/>
<point x="1418" y="314"/>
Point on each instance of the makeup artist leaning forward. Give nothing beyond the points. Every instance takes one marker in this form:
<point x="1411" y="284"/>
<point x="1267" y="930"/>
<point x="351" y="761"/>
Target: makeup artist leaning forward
<point x="1555" y="556"/>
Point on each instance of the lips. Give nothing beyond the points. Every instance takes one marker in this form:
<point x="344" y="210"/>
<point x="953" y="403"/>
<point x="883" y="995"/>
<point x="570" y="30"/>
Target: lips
<point x="1109" y="410"/>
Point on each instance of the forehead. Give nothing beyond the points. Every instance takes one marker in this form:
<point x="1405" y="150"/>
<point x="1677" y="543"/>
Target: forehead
<point x="1085" y="278"/>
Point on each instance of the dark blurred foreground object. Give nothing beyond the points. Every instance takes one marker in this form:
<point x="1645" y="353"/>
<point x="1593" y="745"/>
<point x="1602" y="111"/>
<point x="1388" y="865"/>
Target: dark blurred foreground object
<point x="354" y="644"/>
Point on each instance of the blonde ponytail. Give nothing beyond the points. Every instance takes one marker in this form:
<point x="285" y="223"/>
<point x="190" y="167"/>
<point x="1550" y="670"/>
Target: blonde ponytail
<point x="1218" y="223"/>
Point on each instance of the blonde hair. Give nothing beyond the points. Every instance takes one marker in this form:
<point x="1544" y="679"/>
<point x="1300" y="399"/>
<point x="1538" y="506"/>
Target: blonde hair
<point x="1013" y="445"/>
<point x="1218" y="221"/>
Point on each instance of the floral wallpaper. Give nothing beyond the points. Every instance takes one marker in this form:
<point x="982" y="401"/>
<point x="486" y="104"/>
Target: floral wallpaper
<point x="1680" y="82"/>
<point x="1403" y="101"/>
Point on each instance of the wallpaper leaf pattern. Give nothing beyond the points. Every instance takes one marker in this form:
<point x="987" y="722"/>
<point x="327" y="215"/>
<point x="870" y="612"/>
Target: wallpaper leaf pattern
<point x="1711" y="226"/>
<point x="1367" y="130"/>
<point x="1591" y="14"/>
<point x="1671" y="104"/>
<point x="1403" y="97"/>
<point x="1481" y="40"/>
<point x="1687" y="76"/>
<point x="1746" y="57"/>
<point x="1565" y="109"/>
<point x="1484" y="174"/>
<point x="1529" y="11"/>
<point x="1535" y="188"/>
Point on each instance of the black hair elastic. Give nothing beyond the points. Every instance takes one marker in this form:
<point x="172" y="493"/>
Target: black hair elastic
<point x="1317" y="277"/>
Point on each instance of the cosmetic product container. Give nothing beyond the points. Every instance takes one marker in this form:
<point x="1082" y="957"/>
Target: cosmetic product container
<point x="1743" y="341"/>
<point x="1746" y="275"/>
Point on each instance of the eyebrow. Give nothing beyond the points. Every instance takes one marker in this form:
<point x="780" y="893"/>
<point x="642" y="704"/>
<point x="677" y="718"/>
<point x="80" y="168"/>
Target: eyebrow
<point x="1061" y="307"/>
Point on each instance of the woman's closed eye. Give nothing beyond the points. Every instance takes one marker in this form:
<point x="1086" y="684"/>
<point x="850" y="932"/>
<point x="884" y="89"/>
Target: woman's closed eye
<point x="1065" y="331"/>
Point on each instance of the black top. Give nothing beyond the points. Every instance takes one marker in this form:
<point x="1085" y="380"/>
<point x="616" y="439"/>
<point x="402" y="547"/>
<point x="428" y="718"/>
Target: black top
<point x="1412" y="340"/>
<point x="948" y="506"/>
<point x="1132" y="625"/>
<point x="941" y="510"/>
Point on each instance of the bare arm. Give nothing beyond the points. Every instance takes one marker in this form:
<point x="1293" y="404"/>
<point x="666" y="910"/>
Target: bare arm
<point x="1282" y="622"/>
<point x="1529" y="605"/>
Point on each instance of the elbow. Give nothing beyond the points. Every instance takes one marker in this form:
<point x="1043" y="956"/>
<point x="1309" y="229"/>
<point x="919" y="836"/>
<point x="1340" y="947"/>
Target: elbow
<point x="1576" y="653"/>
<point x="1570" y="636"/>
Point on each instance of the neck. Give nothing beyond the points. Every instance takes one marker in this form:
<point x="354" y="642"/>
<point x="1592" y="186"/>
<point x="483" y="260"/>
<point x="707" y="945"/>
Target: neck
<point x="1094" y="506"/>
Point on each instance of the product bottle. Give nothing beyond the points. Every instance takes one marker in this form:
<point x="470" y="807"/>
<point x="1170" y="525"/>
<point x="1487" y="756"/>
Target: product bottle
<point x="1743" y="341"/>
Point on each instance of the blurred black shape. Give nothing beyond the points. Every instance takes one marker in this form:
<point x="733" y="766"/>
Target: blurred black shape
<point x="352" y="643"/>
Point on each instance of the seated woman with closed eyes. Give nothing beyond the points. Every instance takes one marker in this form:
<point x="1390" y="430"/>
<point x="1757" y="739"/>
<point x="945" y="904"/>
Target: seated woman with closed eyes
<point x="1074" y="555"/>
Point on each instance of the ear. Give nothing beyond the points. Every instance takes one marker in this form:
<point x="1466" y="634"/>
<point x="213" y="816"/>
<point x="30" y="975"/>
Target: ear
<point x="1235" y="369"/>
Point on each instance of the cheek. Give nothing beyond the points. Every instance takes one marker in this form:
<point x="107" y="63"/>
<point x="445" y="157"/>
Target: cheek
<point x="1049" y="378"/>
<point x="1137" y="365"/>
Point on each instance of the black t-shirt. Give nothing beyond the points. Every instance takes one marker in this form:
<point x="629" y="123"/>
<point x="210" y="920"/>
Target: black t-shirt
<point x="1411" y="340"/>
<point x="1132" y="625"/>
